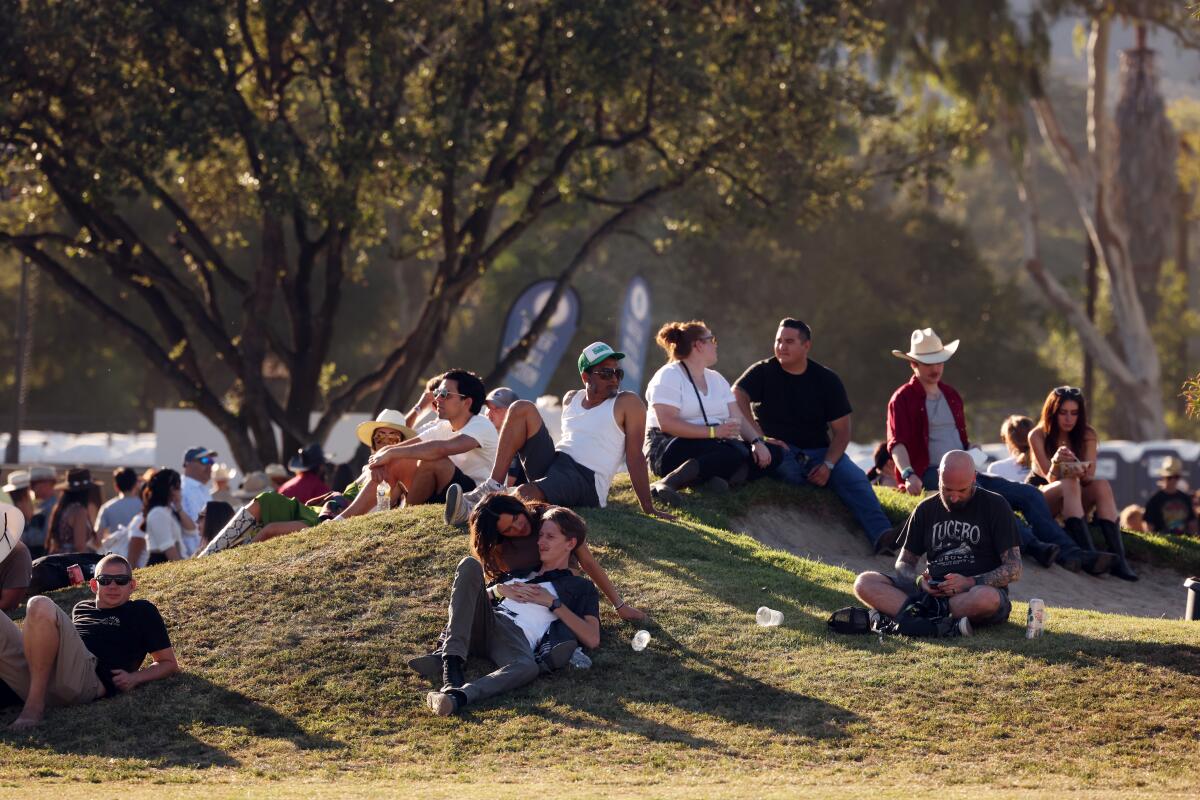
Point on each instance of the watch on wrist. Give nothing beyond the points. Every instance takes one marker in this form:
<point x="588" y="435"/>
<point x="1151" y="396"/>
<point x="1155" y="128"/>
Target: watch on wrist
<point x="555" y="604"/>
<point x="756" y="440"/>
<point x="978" y="580"/>
<point x="906" y="472"/>
<point x="828" y="465"/>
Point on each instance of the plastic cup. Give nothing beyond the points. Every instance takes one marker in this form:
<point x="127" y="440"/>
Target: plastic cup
<point x="640" y="640"/>
<point x="768" y="617"/>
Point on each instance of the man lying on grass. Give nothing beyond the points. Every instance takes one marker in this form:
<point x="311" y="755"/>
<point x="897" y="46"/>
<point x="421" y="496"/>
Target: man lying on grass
<point x="508" y="622"/>
<point x="970" y="539"/>
<point x="97" y="652"/>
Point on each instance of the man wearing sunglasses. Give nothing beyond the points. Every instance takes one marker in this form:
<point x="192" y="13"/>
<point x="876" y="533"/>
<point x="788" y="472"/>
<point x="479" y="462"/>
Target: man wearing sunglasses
<point x="601" y="427"/>
<point x="197" y="472"/>
<point x="96" y="652"/>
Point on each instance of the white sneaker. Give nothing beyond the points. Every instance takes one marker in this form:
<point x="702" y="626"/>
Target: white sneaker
<point x="964" y="627"/>
<point x="460" y="504"/>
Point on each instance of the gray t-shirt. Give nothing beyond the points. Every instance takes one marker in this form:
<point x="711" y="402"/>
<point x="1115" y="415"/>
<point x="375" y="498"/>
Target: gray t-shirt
<point x="943" y="433"/>
<point x="117" y="512"/>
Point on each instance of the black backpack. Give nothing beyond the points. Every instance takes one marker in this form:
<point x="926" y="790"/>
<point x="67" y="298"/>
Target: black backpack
<point x="50" y="572"/>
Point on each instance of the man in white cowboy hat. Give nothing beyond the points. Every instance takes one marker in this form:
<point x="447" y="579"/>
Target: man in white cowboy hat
<point x="222" y="483"/>
<point x="42" y="481"/>
<point x="926" y="420"/>
<point x="18" y="492"/>
<point x="16" y="566"/>
<point x="1169" y="510"/>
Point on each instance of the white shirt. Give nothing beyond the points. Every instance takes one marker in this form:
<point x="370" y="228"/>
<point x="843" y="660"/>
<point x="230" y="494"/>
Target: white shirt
<point x="670" y="387"/>
<point x="195" y="497"/>
<point x="533" y="619"/>
<point x="592" y="437"/>
<point x="163" y="531"/>
<point x="476" y="464"/>
<point x="118" y="541"/>
<point x="1009" y="469"/>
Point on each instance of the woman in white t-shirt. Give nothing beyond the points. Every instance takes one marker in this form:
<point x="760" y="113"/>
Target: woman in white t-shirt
<point x="1015" y="433"/>
<point x="694" y="431"/>
<point x="160" y="530"/>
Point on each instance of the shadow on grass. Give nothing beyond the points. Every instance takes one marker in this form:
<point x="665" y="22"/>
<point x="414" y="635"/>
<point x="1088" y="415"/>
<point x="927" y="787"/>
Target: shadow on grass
<point x="155" y="724"/>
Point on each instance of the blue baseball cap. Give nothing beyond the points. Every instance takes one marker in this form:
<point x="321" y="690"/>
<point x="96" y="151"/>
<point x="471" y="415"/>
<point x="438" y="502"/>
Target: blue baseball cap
<point x="197" y="453"/>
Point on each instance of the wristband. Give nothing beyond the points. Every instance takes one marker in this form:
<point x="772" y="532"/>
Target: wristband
<point x="828" y="465"/>
<point x="712" y="431"/>
<point x="977" y="580"/>
<point x="619" y="606"/>
<point x="906" y="472"/>
<point x="756" y="440"/>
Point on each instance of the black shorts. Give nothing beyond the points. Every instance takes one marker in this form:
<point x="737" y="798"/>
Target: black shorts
<point x="561" y="479"/>
<point x="1000" y="616"/>
<point x="461" y="478"/>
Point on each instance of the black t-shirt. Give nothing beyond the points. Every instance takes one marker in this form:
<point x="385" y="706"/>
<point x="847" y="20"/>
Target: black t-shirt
<point x="1169" y="512"/>
<point x="121" y="637"/>
<point x="967" y="542"/>
<point x="795" y="408"/>
<point x="576" y="593"/>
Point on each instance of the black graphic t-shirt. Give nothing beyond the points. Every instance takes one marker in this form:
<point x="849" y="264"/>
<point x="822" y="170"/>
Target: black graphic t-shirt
<point x="121" y="637"/>
<point x="967" y="542"/>
<point x="796" y="409"/>
<point x="1169" y="512"/>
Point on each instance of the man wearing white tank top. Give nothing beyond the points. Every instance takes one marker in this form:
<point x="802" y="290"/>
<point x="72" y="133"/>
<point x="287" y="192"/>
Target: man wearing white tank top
<point x="601" y="428"/>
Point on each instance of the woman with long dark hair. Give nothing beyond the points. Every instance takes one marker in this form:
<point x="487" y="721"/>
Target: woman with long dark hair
<point x="1062" y="452"/>
<point x="163" y="520"/>
<point x="70" y="529"/>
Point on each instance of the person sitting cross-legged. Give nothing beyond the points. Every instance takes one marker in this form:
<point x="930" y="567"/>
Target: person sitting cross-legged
<point x="507" y="623"/>
<point x="601" y="426"/>
<point x="970" y="540"/>
<point x="56" y="660"/>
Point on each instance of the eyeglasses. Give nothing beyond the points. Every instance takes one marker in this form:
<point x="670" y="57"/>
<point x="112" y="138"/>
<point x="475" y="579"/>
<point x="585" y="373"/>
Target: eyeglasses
<point x="440" y="393"/>
<point x="119" y="580"/>
<point x="608" y="372"/>
<point x="710" y="338"/>
<point x="1068" y="391"/>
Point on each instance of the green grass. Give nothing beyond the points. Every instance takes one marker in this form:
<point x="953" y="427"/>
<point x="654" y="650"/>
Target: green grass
<point x="296" y="684"/>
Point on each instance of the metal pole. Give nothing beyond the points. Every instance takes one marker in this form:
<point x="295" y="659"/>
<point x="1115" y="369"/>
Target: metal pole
<point x="12" y="453"/>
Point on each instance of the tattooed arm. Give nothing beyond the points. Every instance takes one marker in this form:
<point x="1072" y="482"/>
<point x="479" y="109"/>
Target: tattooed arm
<point x="1008" y="571"/>
<point x="906" y="566"/>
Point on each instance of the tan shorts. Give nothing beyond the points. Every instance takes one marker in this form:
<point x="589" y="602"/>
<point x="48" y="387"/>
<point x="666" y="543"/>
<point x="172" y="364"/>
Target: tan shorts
<point x="73" y="680"/>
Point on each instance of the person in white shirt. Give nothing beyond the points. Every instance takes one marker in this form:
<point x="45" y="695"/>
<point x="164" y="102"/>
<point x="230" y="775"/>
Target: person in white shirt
<point x="1015" y="433"/>
<point x="695" y="432"/>
<point x="601" y="427"/>
<point x="197" y="472"/>
<point x="160" y="531"/>
<point x="457" y="451"/>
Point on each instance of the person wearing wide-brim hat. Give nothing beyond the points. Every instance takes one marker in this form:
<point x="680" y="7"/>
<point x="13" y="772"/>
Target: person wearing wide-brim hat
<point x="387" y="428"/>
<point x="307" y="483"/>
<point x="70" y="529"/>
<point x="1169" y="510"/>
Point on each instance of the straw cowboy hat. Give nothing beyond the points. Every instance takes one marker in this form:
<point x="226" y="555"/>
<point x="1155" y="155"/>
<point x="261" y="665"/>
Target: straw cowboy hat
<point x="253" y="485"/>
<point x="17" y="479"/>
<point x="389" y="418"/>
<point x="12" y="523"/>
<point x="927" y="348"/>
<point x="1171" y="467"/>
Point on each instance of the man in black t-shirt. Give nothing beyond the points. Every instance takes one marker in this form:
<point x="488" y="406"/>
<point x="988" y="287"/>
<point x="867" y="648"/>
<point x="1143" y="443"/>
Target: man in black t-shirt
<point x="98" y="652"/>
<point x="970" y="539"/>
<point x="795" y="403"/>
<point x="1169" y="510"/>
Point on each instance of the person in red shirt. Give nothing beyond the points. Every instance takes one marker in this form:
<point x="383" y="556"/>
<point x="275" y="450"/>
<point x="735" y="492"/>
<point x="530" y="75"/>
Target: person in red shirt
<point x="307" y="484"/>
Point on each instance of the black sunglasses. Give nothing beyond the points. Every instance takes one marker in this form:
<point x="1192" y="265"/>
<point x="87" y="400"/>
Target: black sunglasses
<point x="119" y="580"/>
<point x="608" y="372"/>
<point x="1068" y="391"/>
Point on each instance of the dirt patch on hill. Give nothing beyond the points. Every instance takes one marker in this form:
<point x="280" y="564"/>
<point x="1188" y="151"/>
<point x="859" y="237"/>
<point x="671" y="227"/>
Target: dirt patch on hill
<point x="832" y="539"/>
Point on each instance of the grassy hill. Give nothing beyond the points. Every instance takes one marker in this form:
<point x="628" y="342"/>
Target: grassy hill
<point x="296" y="684"/>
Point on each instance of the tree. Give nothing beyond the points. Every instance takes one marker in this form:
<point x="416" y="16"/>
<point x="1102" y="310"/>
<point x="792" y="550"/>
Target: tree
<point x="205" y="176"/>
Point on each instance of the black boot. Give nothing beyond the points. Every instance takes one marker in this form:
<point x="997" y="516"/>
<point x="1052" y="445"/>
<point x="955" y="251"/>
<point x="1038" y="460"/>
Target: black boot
<point x="1098" y="562"/>
<point x="452" y="672"/>
<point x="1112" y="535"/>
<point x="1044" y="553"/>
<point x="1077" y="529"/>
<point x="667" y="489"/>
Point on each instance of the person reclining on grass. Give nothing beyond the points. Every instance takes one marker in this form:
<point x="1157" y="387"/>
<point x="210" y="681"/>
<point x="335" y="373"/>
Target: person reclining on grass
<point x="970" y="540"/>
<point x="16" y="565"/>
<point x="601" y="426"/>
<point x="277" y="515"/>
<point x="510" y="621"/>
<point x="96" y="652"/>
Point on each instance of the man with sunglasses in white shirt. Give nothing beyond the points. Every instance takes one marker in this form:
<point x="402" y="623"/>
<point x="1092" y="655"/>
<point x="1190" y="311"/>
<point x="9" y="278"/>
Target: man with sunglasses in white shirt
<point x="97" y="652"/>
<point x="601" y="427"/>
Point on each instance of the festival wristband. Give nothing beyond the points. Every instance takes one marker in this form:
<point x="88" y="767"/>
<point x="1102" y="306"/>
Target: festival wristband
<point x="906" y="472"/>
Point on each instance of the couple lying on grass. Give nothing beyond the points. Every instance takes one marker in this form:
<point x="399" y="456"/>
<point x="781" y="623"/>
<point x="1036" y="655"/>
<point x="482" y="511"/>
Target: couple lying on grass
<point x="517" y="602"/>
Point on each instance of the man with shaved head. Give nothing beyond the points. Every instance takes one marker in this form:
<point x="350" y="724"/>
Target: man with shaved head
<point x="970" y="540"/>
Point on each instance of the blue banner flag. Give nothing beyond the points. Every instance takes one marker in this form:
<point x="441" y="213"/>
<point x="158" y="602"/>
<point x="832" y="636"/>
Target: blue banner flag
<point x="634" y="332"/>
<point x="530" y="376"/>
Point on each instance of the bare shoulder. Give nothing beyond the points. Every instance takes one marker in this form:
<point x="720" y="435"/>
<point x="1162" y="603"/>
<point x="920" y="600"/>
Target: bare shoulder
<point x="569" y="396"/>
<point x="629" y="400"/>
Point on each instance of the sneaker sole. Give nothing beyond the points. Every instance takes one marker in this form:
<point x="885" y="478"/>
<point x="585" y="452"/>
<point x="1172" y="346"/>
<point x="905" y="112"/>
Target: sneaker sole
<point x="440" y="704"/>
<point x="454" y="496"/>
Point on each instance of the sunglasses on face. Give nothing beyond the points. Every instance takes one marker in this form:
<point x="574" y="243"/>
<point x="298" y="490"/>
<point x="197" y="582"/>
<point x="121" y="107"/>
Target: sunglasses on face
<point x="1068" y="391"/>
<point x="608" y="373"/>
<point x="119" y="580"/>
<point x="442" y="393"/>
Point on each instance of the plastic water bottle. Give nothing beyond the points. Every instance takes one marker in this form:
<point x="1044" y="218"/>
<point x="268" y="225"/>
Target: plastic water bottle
<point x="640" y="640"/>
<point x="580" y="660"/>
<point x="768" y="617"/>
<point x="383" y="497"/>
<point x="1035" y="620"/>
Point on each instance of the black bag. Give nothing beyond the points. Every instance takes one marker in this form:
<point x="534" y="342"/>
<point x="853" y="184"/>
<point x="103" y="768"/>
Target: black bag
<point x="851" y="619"/>
<point x="50" y="572"/>
<point x="924" y="615"/>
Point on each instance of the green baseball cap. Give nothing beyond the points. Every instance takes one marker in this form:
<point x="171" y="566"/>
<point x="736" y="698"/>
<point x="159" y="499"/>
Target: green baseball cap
<point x="594" y="353"/>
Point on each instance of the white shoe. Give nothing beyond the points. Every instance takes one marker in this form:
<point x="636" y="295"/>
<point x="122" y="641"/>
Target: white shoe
<point x="964" y="627"/>
<point x="460" y="504"/>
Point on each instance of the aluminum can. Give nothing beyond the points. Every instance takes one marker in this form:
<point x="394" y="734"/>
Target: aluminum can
<point x="75" y="574"/>
<point x="1035" y="620"/>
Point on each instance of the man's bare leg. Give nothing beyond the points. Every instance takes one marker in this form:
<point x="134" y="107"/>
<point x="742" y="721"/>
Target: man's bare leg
<point x="430" y="478"/>
<point x="877" y="591"/>
<point x="520" y="425"/>
<point x="978" y="603"/>
<point x="41" y="649"/>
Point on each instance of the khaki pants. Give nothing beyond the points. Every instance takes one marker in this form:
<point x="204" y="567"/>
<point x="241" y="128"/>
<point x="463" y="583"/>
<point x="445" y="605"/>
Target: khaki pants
<point x="73" y="680"/>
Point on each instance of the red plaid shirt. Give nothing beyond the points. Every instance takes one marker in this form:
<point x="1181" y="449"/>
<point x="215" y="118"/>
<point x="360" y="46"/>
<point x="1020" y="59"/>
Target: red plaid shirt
<point x="908" y="423"/>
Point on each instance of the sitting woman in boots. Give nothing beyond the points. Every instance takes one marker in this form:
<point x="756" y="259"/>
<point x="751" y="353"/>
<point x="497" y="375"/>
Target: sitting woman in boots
<point x="695" y="434"/>
<point x="1062" y="449"/>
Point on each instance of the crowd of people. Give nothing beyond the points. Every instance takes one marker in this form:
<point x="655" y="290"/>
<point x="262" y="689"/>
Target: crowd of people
<point x="490" y="459"/>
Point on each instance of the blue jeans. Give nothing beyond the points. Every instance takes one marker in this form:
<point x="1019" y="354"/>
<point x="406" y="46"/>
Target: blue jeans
<point x="847" y="481"/>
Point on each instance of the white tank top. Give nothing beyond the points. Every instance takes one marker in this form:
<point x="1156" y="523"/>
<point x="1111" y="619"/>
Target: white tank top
<point x="592" y="437"/>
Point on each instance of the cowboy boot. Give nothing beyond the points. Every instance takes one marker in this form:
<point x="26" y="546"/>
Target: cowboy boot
<point x="667" y="489"/>
<point x="1112" y="535"/>
<point x="1077" y="529"/>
